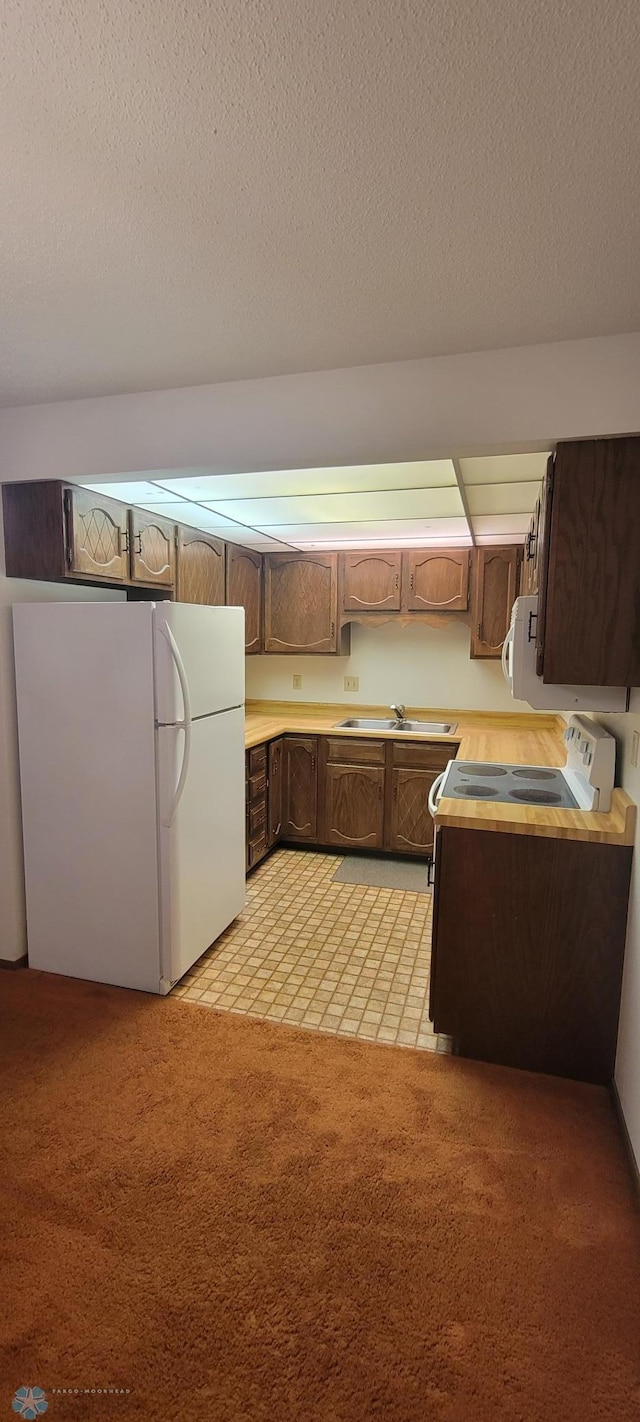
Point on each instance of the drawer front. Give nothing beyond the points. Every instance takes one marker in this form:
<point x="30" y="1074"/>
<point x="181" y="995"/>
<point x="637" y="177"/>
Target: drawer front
<point x="349" y="751"/>
<point x="257" y="786"/>
<point x="256" y="850"/>
<point x="422" y="757"/>
<point x="257" y="817"/>
<point x="257" y="759"/>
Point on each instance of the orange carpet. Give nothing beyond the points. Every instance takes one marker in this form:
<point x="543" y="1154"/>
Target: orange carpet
<point x="239" y="1221"/>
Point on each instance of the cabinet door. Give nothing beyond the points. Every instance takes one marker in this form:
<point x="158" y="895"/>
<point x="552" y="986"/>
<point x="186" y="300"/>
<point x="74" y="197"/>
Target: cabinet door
<point x="410" y="823"/>
<point x="244" y="589"/>
<point x="354" y="806"/>
<point x="200" y="568"/>
<point x="97" y="535"/>
<point x="153" y="550"/>
<point x="300" y="799"/>
<point x="301" y="602"/>
<point x="275" y="791"/>
<point x="494" y="593"/>
<point x="371" y="582"/>
<point x="436" y="580"/>
<point x="541" y="559"/>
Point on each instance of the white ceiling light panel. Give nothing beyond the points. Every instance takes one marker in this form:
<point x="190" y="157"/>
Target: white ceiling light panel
<point x="384" y="532"/>
<point x="282" y="483"/>
<point x="502" y="498"/>
<point x="344" y="508"/>
<point x="504" y="469"/>
<point x="499" y="528"/>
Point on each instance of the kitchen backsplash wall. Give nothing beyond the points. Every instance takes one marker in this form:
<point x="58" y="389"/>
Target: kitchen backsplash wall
<point x="419" y="665"/>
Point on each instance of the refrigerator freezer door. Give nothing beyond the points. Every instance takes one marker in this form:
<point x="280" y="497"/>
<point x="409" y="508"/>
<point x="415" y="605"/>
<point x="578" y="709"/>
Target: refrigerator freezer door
<point x="202" y="850"/>
<point x="210" y="647"/>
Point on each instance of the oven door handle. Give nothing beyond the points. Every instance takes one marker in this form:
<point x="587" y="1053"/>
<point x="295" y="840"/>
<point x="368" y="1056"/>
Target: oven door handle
<point x="433" y="793"/>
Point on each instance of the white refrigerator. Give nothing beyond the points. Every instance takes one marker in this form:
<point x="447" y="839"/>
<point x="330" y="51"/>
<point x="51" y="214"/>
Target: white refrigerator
<point x="131" y="734"/>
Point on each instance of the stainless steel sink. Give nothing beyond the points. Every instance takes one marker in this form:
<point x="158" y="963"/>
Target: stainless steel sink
<point x="362" y="723"/>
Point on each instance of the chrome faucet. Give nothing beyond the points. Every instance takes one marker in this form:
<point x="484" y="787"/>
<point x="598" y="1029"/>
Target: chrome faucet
<point x="399" y="712"/>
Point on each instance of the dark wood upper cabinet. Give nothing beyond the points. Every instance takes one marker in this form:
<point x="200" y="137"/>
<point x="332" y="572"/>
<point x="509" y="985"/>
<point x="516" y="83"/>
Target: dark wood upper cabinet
<point x="244" y="589"/>
<point x="589" y="566"/>
<point x="371" y="581"/>
<point x="300" y="788"/>
<point x="495" y="588"/>
<point x="200" y="567"/>
<point x="435" y="580"/>
<point x="54" y="531"/>
<point x="301" y="603"/>
<point x="275" y="790"/>
<point x="153" y="552"/>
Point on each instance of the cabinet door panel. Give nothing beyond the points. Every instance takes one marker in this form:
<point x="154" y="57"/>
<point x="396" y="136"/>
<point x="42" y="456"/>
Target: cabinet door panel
<point x="494" y="593"/>
<point x="97" y="536"/>
<point x="354" y="806"/>
<point x="152" y="549"/>
<point x="244" y="589"/>
<point x="200" y="568"/>
<point x="371" y="582"/>
<point x="436" y="580"/>
<point x="301" y="603"/>
<point x="410" y="823"/>
<point x="275" y="790"/>
<point x="300" y="806"/>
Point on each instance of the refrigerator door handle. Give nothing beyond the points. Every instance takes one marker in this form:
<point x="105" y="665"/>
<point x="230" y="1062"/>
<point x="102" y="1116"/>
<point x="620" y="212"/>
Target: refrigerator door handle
<point x="184" y="725"/>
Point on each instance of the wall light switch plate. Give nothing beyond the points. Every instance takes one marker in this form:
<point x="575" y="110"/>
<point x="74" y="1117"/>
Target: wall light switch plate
<point x="635" y="747"/>
<point x="297" y="681"/>
<point x="352" y="683"/>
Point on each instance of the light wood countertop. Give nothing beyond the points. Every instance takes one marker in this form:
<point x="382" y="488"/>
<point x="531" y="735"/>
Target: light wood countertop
<point x="482" y="736"/>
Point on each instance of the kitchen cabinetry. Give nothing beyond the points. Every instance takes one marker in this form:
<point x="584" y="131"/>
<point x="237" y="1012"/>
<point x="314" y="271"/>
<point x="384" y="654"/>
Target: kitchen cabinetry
<point x="275" y="790"/>
<point x="153" y="555"/>
<point x="300" y="782"/>
<point x="57" y="532"/>
<point x="495" y="588"/>
<point x="353" y="780"/>
<point x="244" y="589"/>
<point x="371" y="581"/>
<point x="547" y="997"/>
<point x="257" y="825"/>
<point x="588" y="628"/>
<point x="412" y="771"/>
<point x="436" y="580"/>
<point x="200" y="567"/>
<point x="301" y="604"/>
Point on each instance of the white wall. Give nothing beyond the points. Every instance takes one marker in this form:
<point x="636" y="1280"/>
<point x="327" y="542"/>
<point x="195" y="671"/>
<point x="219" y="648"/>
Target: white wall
<point x="414" y="409"/>
<point x="12" y="910"/>
<point x="419" y="665"/>
<point x="628" y="1055"/>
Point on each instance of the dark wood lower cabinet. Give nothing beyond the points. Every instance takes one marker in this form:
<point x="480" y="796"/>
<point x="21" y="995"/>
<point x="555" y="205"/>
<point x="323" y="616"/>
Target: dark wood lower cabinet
<point x="275" y="797"/>
<point x="410" y="824"/>
<point x="528" y="948"/>
<point x="300" y="811"/>
<point x="354" y="806"/>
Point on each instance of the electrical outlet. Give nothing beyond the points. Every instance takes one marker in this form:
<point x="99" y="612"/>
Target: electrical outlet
<point x="352" y="683"/>
<point x="297" y="681"/>
<point x="635" y="747"/>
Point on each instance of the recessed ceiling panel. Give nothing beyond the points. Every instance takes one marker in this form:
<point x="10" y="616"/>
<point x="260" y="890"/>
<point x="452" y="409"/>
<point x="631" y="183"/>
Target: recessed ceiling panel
<point x="495" y="526"/>
<point x="343" y="534"/>
<point x="502" y="498"/>
<point x="504" y="468"/>
<point x="280" y="483"/>
<point x="140" y="492"/>
<point x="345" y="508"/>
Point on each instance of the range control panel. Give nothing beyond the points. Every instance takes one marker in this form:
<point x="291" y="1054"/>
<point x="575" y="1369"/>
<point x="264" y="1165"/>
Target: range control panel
<point x="591" y="754"/>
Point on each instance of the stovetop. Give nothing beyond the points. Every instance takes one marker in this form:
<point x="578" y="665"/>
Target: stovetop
<point x="508" y="784"/>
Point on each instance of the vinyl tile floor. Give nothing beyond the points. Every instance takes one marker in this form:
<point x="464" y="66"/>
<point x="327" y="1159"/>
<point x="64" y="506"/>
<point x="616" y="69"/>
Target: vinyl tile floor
<point x="342" y="958"/>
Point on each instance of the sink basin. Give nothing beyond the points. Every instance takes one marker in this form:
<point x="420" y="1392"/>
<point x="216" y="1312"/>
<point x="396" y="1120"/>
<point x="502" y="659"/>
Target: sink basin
<point x="362" y="723"/>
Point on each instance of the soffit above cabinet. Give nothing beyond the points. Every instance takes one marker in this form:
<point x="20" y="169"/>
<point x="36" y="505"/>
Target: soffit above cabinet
<point x="427" y="503"/>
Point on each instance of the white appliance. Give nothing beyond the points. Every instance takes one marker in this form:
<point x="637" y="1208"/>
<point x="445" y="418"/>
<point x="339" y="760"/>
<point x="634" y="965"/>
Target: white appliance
<point x="584" y="782"/>
<point x="131" y="731"/>
<point x="519" y="667"/>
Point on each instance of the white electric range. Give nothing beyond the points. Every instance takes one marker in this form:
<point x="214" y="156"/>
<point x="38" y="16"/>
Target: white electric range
<point x="584" y="782"/>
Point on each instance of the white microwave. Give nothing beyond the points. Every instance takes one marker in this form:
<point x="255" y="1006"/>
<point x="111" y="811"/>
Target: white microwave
<point x="519" y="667"/>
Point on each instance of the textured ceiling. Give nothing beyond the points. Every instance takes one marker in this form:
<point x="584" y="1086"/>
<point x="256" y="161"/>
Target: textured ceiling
<point x="246" y="187"/>
<point x="355" y="506"/>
